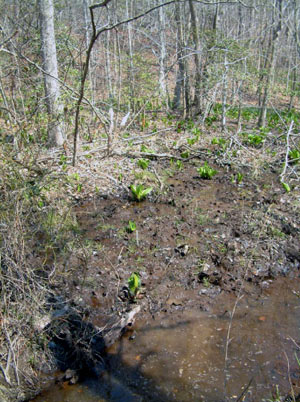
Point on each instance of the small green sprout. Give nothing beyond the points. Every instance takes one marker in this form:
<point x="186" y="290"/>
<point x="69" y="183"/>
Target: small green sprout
<point x="255" y="139"/>
<point x="238" y="178"/>
<point x="206" y="172"/>
<point x="146" y="149"/>
<point x="286" y="187"/>
<point x="294" y="156"/>
<point x="218" y="141"/>
<point x="192" y="140"/>
<point x="185" y="154"/>
<point x="179" y="164"/>
<point x="143" y="163"/>
<point x="206" y="282"/>
<point x="134" y="284"/>
<point x="131" y="227"/>
<point x="139" y="192"/>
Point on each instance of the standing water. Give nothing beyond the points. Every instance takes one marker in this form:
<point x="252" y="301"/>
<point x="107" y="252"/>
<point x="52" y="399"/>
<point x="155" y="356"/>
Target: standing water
<point x="181" y="356"/>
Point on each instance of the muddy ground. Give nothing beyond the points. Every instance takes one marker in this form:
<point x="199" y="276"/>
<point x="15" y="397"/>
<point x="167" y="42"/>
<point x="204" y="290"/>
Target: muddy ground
<point x="194" y="239"/>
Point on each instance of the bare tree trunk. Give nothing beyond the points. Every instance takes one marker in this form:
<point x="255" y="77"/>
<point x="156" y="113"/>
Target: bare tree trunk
<point x="195" y="35"/>
<point x="131" y="64"/>
<point x="163" y="54"/>
<point x="52" y="90"/>
<point x="108" y="67"/>
<point x="180" y="76"/>
<point x="224" y="92"/>
<point x="294" y="83"/>
<point x="86" y="4"/>
<point x="270" y="64"/>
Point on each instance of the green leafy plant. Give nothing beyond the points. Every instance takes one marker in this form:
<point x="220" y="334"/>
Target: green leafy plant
<point x="255" y="139"/>
<point x="206" y="282"/>
<point x="134" y="284"/>
<point x="143" y="163"/>
<point x="206" y="172"/>
<point x="238" y="178"/>
<point x="192" y="141"/>
<point x="139" y="192"/>
<point x="196" y="131"/>
<point x="185" y="154"/>
<point x="294" y="156"/>
<point x="179" y="164"/>
<point x="146" y="149"/>
<point x="131" y="227"/>
<point x="218" y="141"/>
<point x="286" y="187"/>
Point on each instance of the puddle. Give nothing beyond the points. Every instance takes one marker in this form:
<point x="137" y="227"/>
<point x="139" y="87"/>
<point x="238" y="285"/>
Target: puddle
<point x="181" y="356"/>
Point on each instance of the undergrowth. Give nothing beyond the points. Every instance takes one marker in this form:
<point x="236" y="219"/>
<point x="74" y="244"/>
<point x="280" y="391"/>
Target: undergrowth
<point x="35" y="229"/>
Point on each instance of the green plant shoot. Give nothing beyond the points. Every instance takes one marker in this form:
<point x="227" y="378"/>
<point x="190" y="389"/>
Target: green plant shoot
<point x="134" y="284"/>
<point x="131" y="227"/>
<point x="143" y="163"/>
<point x="286" y="187"/>
<point x="139" y="192"/>
<point x="206" y="172"/>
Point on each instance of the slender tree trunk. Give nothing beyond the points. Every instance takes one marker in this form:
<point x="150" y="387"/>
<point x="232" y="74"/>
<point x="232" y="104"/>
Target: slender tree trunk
<point x="86" y="4"/>
<point x="52" y="90"/>
<point x="270" y="64"/>
<point x="108" y="66"/>
<point x="224" y="92"/>
<point x="163" y="54"/>
<point x="294" y="82"/>
<point x="195" y="35"/>
<point x="240" y="25"/>
<point x="180" y="76"/>
<point x="131" y="64"/>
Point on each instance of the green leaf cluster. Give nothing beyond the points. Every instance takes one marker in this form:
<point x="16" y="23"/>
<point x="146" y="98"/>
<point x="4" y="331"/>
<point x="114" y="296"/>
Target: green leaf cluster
<point x="206" y="172"/>
<point x="131" y="227"/>
<point x="134" y="284"/>
<point x="139" y="192"/>
<point x="143" y="163"/>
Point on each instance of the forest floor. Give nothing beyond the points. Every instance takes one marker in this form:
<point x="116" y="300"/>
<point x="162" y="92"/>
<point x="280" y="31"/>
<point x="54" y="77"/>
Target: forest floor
<point x="191" y="239"/>
<point x="194" y="238"/>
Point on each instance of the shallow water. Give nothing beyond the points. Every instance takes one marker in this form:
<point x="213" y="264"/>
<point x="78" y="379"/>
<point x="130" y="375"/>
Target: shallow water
<point x="181" y="356"/>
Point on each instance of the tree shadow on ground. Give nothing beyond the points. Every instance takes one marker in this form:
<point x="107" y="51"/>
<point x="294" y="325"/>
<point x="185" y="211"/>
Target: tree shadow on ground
<point x="78" y="346"/>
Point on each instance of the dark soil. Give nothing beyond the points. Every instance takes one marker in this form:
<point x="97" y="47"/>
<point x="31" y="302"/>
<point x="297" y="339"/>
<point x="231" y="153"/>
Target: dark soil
<point x="194" y="240"/>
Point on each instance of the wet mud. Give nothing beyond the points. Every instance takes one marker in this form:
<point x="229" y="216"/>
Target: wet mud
<point x="199" y="246"/>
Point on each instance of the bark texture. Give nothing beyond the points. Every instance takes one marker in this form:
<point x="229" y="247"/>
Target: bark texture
<point x="52" y="90"/>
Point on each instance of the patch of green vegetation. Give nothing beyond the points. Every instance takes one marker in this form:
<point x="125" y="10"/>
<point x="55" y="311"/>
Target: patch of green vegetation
<point x="274" y="232"/>
<point x="286" y="187"/>
<point x="218" y="141"/>
<point x="206" y="172"/>
<point x="294" y="156"/>
<point x="146" y="149"/>
<point x="237" y="178"/>
<point x="179" y="164"/>
<point x="134" y="284"/>
<point x="206" y="282"/>
<point x="255" y="139"/>
<point x="144" y="175"/>
<point x="185" y="154"/>
<point x="143" y="163"/>
<point x="202" y="219"/>
<point x="192" y="140"/>
<point x="139" y="192"/>
<point x="131" y="227"/>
